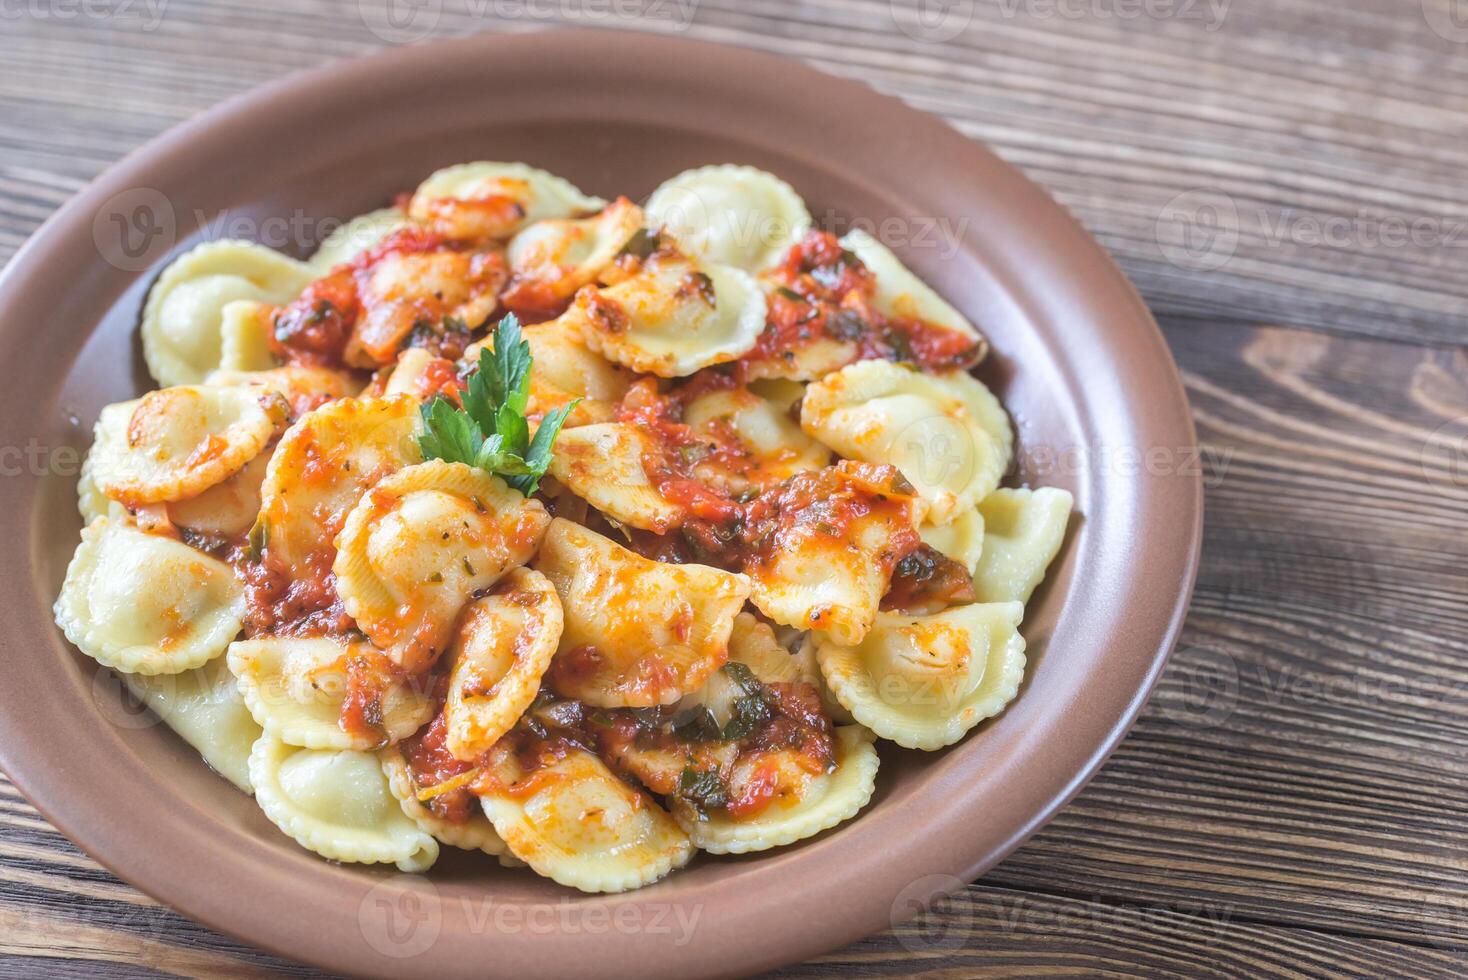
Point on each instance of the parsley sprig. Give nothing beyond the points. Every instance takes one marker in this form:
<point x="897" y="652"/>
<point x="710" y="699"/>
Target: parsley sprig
<point x="490" y="431"/>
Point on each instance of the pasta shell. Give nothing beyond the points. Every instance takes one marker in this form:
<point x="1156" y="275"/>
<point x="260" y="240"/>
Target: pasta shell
<point x="924" y="681"/>
<point x="355" y="237"/>
<point x="565" y="368"/>
<point x="900" y="294"/>
<point x="1025" y="529"/>
<point x="962" y="539"/>
<point x="338" y="804"/>
<point x="226" y="509"/>
<point x="295" y="689"/>
<point x="244" y="336"/>
<point x="673" y="317"/>
<point x="504" y="644"/>
<point x="946" y="432"/>
<point x="553" y="259"/>
<point x="824" y="801"/>
<point x="602" y="464"/>
<point x="325" y="462"/>
<point x="178" y="442"/>
<point x="420" y="543"/>
<point x="637" y="632"/>
<point x="181" y="331"/>
<point x="834" y="582"/>
<point x="577" y="823"/>
<point x="729" y="214"/>
<point x="474" y="834"/>
<point x="204" y="707"/>
<point x="145" y="604"/>
<point x="495" y="200"/>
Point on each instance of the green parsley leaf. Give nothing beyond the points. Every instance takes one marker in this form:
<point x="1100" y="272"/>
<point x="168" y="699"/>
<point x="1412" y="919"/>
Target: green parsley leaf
<point x="704" y="789"/>
<point x="490" y="431"/>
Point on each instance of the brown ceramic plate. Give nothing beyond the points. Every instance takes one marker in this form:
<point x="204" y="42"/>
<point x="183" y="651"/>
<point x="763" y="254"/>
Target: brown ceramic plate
<point x="1077" y="360"/>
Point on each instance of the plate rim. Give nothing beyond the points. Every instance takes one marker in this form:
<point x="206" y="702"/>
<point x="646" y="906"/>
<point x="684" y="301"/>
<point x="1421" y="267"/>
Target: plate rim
<point x="49" y="792"/>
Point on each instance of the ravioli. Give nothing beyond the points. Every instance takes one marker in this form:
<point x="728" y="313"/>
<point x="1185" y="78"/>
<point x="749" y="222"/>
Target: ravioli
<point x="946" y="432"/>
<point x="733" y="215"/>
<point x="924" y="681"/>
<point x="504" y="644"/>
<point x="902" y="295"/>
<point x="244" y="336"/>
<point x="175" y="443"/>
<point x="602" y="464"/>
<point x="830" y="558"/>
<point x="753" y="644"/>
<point x="552" y="259"/>
<point x="323" y="465"/>
<point x="182" y="319"/>
<point x="295" y="689"/>
<point x="637" y="632"/>
<point x="762" y="445"/>
<point x="1025" y="529"/>
<point x="146" y="604"/>
<point x="672" y="316"/>
<point x="338" y="804"/>
<point x="404" y="290"/>
<point x="816" y="802"/>
<point x="962" y="539"/>
<point x="420" y="543"/>
<point x="474" y="834"/>
<point x="355" y="237"/>
<point x="495" y="200"/>
<point x="303" y="386"/>
<point x="203" y="706"/>
<point x="566" y="369"/>
<point x="225" y="510"/>
<point x="577" y="823"/>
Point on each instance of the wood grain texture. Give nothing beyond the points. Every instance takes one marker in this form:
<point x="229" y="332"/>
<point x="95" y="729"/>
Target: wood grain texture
<point x="1294" y="801"/>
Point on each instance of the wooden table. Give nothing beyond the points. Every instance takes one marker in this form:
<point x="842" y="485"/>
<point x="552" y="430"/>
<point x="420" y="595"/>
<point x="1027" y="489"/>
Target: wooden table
<point x="1283" y="179"/>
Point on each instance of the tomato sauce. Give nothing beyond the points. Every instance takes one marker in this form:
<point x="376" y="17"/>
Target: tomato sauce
<point x="825" y="292"/>
<point x="928" y="578"/>
<point x="314" y="328"/>
<point x="281" y="601"/>
<point x="431" y="763"/>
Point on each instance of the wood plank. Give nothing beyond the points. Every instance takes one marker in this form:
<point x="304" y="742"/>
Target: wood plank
<point x="1326" y="138"/>
<point x="1303" y="759"/>
<point x="1293" y="801"/>
<point x="1302" y="762"/>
